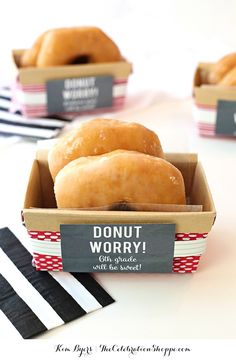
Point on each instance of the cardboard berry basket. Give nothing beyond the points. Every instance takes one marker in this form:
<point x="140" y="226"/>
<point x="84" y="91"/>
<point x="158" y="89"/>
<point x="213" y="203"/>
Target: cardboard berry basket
<point x="214" y="105"/>
<point x="71" y="89"/>
<point x="176" y="239"/>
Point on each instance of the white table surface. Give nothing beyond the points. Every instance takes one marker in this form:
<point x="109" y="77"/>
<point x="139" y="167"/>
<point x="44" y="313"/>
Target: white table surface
<point x="151" y="306"/>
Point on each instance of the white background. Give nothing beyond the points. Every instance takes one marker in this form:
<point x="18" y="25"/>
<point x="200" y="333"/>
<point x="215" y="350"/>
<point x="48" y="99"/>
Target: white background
<point x="164" y="40"/>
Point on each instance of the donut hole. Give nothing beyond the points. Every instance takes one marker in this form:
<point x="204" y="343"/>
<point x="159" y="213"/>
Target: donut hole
<point x="121" y="206"/>
<point x="82" y="59"/>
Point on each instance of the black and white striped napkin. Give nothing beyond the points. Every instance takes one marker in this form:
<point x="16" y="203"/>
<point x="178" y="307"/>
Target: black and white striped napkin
<point x="31" y="301"/>
<point x="14" y="123"/>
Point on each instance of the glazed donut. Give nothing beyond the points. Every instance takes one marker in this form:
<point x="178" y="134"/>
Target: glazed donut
<point x="99" y="136"/>
<point x="70" y="45"/>
<point x="229" y="79"/>
<point x="119" y="176"/>
<point x="221" y="68"/>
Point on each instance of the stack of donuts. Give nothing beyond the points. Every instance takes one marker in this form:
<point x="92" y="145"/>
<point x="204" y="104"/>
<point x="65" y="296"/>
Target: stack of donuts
<point x="105" y="162"/>
<point x="223" y="72"/>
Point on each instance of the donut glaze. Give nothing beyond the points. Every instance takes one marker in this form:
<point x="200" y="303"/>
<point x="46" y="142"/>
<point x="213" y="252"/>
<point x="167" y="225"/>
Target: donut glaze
<point x="221" y="69"/>
<point x="67" y="45"/>
<point x="99" y="136"/>
<point x="119" y="176"/>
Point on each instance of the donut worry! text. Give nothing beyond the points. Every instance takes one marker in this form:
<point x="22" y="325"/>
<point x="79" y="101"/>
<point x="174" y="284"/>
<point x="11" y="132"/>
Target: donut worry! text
<point x="76" y="83"/>
<point x="119" y="231"/>
<point x="114" y="232"/>
<point x="80" y="93"/>
<point x="120" y="247"/>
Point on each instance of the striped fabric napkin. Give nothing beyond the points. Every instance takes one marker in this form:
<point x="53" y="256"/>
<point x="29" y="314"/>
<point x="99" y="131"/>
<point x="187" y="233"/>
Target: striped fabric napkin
<point x="33" y="302"/>
<point x="13" y="123"/>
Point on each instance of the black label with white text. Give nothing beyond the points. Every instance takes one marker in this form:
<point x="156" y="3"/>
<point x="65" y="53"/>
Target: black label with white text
<point x="226" y="118"/>
<point x="79" y="94"/>
<point x="144" y="248"/>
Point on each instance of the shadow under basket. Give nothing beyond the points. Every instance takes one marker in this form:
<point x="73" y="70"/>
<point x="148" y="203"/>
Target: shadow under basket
<point x="43" y="219"/>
